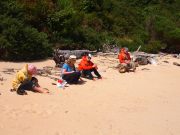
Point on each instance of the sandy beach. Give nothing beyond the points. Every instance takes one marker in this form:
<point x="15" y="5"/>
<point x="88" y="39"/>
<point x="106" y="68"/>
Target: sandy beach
<point x="146" y="102"/>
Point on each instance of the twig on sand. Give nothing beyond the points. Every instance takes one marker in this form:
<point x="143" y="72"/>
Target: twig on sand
<point x="165" y="61"/>
<point x="175" y="63"/>
<point x="1" y="79"/>
<point x="53" y="83"/>
<point x="145" y="69"/>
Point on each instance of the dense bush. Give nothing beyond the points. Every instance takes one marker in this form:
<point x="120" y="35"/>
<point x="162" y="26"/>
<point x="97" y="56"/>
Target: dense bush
<point x="19" y="41"/>
<point x="29" y="28"/>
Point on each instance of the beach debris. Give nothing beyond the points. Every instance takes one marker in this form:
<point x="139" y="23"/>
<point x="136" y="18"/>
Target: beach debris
<point x="145" y="69"/>
<point x="165" y="61"/>
<point x="176" y="56"/>
<point x="59" y="56"/>
<point x="152" y="61"/>
<point x="161" y="54"/>
<point x="141" y="60"/>
<point x="12" y="90"/>
<point x="66" y="111"/>
<point x="47" y="70"/>
<point x="1" y="79"/>
<point x="61" y="83"/>
<point x="175" y="63"/>
<point x="53" y="83"/>
<point x="53" y="78"/>
<point x="9" y="70"/>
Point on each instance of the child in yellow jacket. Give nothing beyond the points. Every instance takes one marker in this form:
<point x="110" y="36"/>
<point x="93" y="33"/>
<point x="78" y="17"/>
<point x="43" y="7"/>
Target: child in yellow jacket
<point x="24" y="81"/>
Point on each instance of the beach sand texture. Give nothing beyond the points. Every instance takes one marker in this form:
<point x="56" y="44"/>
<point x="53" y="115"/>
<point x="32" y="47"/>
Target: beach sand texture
<point x="146" y="102"/>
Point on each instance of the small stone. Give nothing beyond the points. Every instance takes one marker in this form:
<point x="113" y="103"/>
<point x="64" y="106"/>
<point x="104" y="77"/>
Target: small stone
<point x="1" y="79"/>
<point x="66" y="111"/>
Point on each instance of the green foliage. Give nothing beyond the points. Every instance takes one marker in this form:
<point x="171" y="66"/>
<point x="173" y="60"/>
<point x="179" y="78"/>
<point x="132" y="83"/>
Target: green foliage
<point x="17" y="40"/>
<point x="154" y="47"/>
<point x="27" y="28"/>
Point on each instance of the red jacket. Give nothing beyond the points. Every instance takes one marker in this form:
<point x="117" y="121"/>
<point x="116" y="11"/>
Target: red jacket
<point x="123" y="56"/>
<point x="85" y="64"/>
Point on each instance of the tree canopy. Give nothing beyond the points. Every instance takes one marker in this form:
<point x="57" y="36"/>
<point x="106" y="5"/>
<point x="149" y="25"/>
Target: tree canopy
<point x="31" y="29"/>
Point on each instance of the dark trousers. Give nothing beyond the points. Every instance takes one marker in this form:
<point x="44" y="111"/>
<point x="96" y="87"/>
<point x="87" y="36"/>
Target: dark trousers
<point x="89" y="74"/>
<point x="25" y="86"/>
<point x="72" y="78"/>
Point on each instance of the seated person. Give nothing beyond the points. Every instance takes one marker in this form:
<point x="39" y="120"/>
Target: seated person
<point x="86" y="66"/>
<point x="126" y="64"/>
<point x="69" y="72"/>
<point x="24" y="81"/>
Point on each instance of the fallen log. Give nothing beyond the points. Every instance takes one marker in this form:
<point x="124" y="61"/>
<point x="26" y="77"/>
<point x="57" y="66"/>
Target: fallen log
<point x="59" y="56"/>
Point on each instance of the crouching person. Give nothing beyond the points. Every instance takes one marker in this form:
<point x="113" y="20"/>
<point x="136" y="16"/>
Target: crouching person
<point x="126" y="64"/>
<point x="69" y="72"/>
<point x="24" y="81"/>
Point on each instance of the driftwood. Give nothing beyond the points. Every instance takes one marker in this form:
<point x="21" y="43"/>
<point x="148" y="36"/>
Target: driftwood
<point x="49" y="72"/>
<point x="144" y="58"/>
<point x="175" y="63"/>
<point x="165" y="61"/>
<point x="67" y="53"/>
<point x="176" y="56"/>
<point x="59" y="56"/>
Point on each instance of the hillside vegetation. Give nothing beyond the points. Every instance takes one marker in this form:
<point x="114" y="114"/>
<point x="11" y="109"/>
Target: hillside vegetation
<point x="30" y="29"/>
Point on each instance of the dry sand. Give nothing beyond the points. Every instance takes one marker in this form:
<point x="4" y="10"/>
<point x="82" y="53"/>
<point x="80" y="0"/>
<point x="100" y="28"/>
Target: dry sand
<point x="146" y="102"/>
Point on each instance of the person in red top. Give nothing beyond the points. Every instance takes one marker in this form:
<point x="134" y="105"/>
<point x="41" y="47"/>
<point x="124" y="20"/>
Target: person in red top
<point x="86" y="66"/>
<point x="125" y="61"/>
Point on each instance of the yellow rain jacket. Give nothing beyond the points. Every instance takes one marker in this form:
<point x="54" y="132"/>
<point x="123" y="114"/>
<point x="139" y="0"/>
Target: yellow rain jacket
<point x="21" y="76"/>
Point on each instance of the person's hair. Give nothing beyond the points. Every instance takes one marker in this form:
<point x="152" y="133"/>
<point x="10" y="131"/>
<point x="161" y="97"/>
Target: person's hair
<point x="84" y="54"/>
<point x="32" y="69"/>
<point x="70" y="61"/>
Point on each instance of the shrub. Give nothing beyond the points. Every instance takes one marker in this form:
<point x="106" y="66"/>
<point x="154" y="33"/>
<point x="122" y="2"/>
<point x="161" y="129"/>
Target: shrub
<point x="21" y="42"/>
<point x="154" y="47"/>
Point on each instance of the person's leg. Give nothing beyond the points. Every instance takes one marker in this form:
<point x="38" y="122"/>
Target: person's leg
<point x="88" y="74"/>
<point x="72" y="78"/>
<point x="96" y="73"/>
<point x="132" y="66"/>
<point x="76" y="75"/>
<point x="123" y="68"/>
<point x="24" y="86"/>
<point x="67" y="78"/>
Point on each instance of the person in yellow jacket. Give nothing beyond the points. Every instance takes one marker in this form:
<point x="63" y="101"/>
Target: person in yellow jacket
<point x="24" y="81"/>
